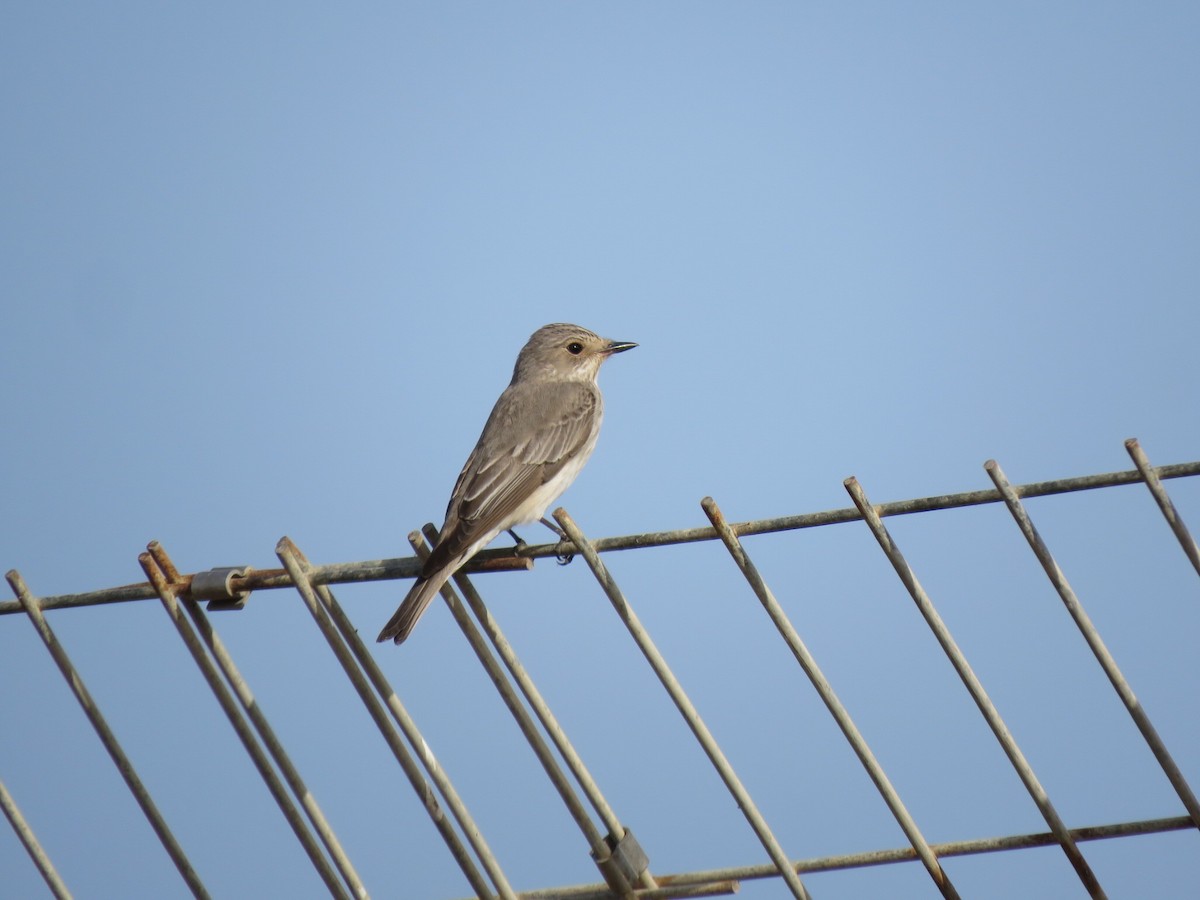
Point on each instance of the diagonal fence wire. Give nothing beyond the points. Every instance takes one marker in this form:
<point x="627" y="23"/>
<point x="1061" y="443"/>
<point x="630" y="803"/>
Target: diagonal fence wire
<point x="107" y="737"/>
<point x="601" y="847"/>
<point x="684" y="704"/>
<point x="226" y="682"/>
<point x="536" y="701"/>
<point x="371" y="685"/>
<point x="1094" y="641"/>
<point x="829" y="698"/>
<point x="29" y="841"/>
<point x="990" y="714"/>
<point x="620" y="859"/>
<point x="1151" y="477"/>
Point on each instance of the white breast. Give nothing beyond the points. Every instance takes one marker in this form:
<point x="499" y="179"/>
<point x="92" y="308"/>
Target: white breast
<point x="539" y="501"/>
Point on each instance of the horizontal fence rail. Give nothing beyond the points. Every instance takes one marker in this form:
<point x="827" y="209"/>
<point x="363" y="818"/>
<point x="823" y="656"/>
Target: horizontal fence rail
<point x="499" y="560"/>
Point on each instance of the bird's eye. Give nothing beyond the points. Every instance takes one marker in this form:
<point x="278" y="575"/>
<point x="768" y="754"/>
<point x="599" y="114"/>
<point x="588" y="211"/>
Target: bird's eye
<point x="574" y="348"/>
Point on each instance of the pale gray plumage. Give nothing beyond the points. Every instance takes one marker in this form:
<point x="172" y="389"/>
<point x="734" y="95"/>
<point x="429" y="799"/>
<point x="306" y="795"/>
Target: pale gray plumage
<point x="540" y="433"/>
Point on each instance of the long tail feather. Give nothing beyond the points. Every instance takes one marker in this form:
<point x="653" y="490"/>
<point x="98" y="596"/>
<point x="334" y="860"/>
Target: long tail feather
<point x="401" y="624"/>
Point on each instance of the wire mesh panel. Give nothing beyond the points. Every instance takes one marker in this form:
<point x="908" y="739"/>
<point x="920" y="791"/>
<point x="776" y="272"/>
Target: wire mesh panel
<point x="932" y="699"/>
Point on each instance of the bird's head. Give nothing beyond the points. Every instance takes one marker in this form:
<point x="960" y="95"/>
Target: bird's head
<point x="565" y="353"/>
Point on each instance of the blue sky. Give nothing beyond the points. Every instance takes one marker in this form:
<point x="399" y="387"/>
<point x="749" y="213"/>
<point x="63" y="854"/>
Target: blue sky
<point x="265" y="270"/>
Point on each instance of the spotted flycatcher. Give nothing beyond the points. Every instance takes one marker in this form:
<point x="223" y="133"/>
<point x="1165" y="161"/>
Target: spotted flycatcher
<point x="540" y="433"/>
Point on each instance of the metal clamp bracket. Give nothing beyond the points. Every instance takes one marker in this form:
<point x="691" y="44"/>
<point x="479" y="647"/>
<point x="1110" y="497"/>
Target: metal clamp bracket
<point x="623" y="867"/>
<point x="216" y="586"/>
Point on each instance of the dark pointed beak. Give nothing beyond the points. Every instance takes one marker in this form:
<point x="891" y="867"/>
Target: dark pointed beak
<point x="619" y="346"/>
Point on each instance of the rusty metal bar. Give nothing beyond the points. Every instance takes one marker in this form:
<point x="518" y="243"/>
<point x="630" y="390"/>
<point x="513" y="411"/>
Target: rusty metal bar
<point x="711" y="748"/>
<point x="504" y="559"/>
<point x="715" y="889"/>
<point x="159" y="569"/>
<point x="601" y="892"/>
<point x="973" y="847"/>
<point x="1154" y="483"/>
<point x="975" y="687"/>
<point x="343" y="639"/>
<point x="111" y="744"/>
<point x="600" y="849"/>
<point x="1094" y="641"/>
<point x="29" y="841"/>
<point x="839" y="712"/>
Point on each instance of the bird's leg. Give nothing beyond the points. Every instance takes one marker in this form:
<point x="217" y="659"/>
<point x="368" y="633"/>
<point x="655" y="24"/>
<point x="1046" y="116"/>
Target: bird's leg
<point x="521" y="545"/>
<point x="562" y="535"/>
<point x="564" y="552"/>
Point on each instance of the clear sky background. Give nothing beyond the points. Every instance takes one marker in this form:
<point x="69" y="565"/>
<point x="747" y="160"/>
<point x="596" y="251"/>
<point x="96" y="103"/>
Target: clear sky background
<point x="264" y="269"/>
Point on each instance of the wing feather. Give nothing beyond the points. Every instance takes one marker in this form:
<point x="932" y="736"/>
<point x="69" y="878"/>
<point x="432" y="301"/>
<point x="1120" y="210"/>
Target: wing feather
<point x="532" y="433"/>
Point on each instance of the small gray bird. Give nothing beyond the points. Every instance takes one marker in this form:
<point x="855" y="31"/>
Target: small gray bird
<point x="540" y="433"/>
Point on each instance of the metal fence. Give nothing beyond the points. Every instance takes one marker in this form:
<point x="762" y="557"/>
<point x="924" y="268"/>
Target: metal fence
<point x="623" y="864"/>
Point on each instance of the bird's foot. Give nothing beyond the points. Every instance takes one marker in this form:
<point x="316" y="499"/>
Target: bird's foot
<point x="565" y="551"/>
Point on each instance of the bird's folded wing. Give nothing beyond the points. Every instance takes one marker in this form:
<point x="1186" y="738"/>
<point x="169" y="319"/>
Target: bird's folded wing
<point x="526" y="442"/>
